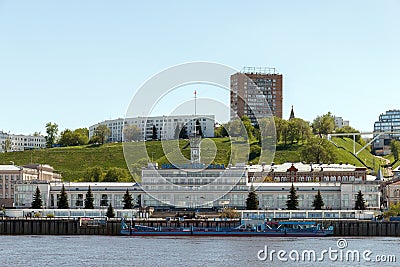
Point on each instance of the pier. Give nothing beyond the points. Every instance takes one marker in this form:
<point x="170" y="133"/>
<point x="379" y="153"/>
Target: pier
<point x="66" y="226"/>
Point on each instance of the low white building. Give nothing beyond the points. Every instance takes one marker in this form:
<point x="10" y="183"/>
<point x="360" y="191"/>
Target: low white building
<point x="103" y="194"/>
<point x="165" y="126"/>
<point x="19" y="142"/>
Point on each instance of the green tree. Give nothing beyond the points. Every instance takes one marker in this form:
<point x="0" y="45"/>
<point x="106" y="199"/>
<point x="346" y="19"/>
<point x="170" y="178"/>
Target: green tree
<point x="51" y="130"/>
<point x="199" y="131"/>
<point x="324" y="124"/>
<point x="101" y="134"/>
<point x="93" y="174"/>
<point x="63" y="199"/>
<point x="154" y="135"/>
<point x="110" y="211"/>
<point x="360" y="203"/>
<point x="395" y="147"/>
<point x="82" y="136"/>
<point x="394" y="210"/>
<point x="220" y="131"/>
<point x="318" y="202"/>
<point x="127" y="200"/>
<point x="303" y="129"/>
<point x="318" y="150"/>
<point x="248" y="126"/>
<point x="183" y="134"/>
<point x="74" y="138"/>
<point x="116" y="174"/>
<point x="37" y="202"/>
<point x="348" y="129"/>
<point x="7" y="145"/>
<point x="292" y="203"/>
<point x="237" y="129"/>
<point x="132" y="133"/>
<point x="252" y="199"/>
<point x="89" y="200"/>
<point x="67" y="138"/>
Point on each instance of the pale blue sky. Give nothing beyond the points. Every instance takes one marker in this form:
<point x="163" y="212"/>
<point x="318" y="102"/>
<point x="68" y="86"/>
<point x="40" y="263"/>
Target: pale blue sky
<point x="79" y="62"/>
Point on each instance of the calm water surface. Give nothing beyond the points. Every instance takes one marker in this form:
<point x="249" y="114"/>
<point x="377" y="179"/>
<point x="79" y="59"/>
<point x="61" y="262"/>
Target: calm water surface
<point x="181" y="251"/>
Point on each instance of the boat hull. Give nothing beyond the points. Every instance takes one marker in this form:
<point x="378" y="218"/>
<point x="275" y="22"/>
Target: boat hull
<point x="226" y="233"/>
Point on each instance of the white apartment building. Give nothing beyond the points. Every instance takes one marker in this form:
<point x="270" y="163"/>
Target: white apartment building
<point x="19" y="142"/>
<point x="340" y="123"/>
<point x="165" y="126"/>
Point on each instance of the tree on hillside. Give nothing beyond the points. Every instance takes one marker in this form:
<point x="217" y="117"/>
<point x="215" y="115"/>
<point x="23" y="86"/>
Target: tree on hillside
<point x="136" y="168"/>
<point x="237" y="129"/>
<point x="324" y="124"/>
<point x="318" y="150"/>
<point x="37" y="202"/>
<point x="266" y="135"/>
<point x="89" y="200"/>
<point x="7" y="145"/>
<point x="51" y="130"/>
<point x="127" y="200"/>
<point x="292" y="203"/>
<point x="348" y="129"/>
<point x="177" y="131"/>
<point x="252" y="199"/>
<point x="82" y="136"/>
<point x="248" y="126"/>
<point x="221" y="131"/>
<point x="183" y="134"/>
<point x="63" y="199"/>
<point x="93" y="174"/>
<point x="395" y="147"/>
<point x="360" y="203"/>
<point x="154" y="135"/>
<point x="198" y="130"/>
<point x="131" y="133"/>
<point x="318" y="202"/>
<point x="101" y="134"/>
<point x="67" y="138"/>
<point x="116" y="175"/>
<point x="110" y="211"/>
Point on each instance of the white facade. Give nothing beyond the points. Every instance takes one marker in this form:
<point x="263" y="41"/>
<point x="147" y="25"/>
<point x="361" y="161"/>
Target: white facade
<point x="21" y="142"/>
<point x="339" y="122"/>
<point x="215" y="188"/>
<point x="103" y="194"/>
<point x="194" y="187"/>
<point x="165" y="125"/>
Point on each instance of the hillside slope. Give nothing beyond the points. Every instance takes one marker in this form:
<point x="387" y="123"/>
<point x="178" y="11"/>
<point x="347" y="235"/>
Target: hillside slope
<point x="72" y="162"/>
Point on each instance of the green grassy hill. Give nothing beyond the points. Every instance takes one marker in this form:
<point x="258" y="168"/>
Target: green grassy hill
<point x="72" y="162"/>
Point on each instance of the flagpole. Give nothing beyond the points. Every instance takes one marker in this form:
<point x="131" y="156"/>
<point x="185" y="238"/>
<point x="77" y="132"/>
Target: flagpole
<point x="195" y="99"/>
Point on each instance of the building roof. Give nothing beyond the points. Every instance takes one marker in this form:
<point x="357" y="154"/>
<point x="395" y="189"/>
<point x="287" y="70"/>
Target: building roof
<point x="9" y="168"/>
<point x="301" y="167"/>
<point x="94" y="184"/>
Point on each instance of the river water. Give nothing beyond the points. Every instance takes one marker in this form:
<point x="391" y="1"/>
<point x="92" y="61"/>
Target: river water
<point x="193" y="251"/>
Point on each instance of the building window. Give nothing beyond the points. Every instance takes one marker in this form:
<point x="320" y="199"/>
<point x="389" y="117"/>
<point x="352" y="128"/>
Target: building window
<point x="104" y="200"/>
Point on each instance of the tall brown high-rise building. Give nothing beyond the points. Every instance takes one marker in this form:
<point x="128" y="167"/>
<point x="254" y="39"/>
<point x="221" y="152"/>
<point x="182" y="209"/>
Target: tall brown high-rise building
<point x="256" y="93"/>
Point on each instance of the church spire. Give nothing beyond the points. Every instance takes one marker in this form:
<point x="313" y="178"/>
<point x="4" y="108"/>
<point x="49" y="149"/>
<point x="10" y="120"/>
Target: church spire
<point x="291" y="114"/>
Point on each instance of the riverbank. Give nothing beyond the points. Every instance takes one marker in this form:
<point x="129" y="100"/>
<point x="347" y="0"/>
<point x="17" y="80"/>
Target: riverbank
<point x="57" y="226"/>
